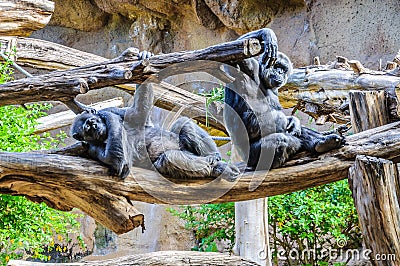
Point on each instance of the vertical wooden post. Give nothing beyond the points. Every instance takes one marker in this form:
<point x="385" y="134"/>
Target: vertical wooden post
<point x="368" y="109"/>
<point x="375" y="183"/>
<point x="376" y="191"/>
<point x="252" y="236"/>
<point x="251" y="226"/>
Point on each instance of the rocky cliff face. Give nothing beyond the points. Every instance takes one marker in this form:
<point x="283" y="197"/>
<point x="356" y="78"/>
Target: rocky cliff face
<point x="364" y="30"/>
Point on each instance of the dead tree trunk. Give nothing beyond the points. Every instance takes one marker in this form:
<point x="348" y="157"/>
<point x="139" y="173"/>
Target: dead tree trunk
<point x="123" y="69"/>
<point x="368" y="109"/>
<point x="375" y="184"/>
<point x="376" y="188"/>
<point x="320" y="90"/>
<point x="22" y="17"/>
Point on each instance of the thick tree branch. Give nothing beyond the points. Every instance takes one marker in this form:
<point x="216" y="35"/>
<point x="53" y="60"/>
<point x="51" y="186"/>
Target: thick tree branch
<point x="323" y="84"/>
<point x="321" y="90"/>
<point x="65" y="181"/>
<point x="165" y="258"/>
<point x="65" y="85"/>
<point x="22" y="17"/>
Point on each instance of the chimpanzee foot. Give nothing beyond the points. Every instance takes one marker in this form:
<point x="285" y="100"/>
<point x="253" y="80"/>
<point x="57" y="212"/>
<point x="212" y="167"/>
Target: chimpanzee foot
<point x="122" y="172"/>
<point x="214" y="158"/>
<point x="330" y="142"/>
<point x="226" y="171"/>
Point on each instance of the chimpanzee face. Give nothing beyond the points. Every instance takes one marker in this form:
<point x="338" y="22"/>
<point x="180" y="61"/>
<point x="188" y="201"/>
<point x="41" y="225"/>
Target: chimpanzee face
<point x="89" y="127"/>
<point x="276" y="76"/>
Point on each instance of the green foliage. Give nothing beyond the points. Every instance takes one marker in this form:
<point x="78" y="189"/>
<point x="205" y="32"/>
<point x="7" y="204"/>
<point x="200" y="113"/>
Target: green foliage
<point x="6" y="70"/>
<point x="209" y="223"/>
<point x="28" y="229"/>
<point x="314" y="219"/>
<point x="17" y="126"/>
<point x="215" y="95"/>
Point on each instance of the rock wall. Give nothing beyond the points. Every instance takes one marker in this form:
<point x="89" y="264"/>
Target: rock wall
<point x="358" y="29"/>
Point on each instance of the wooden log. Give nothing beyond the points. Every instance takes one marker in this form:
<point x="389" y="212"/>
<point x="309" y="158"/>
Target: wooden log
<point x="340" y="80"/>
<point x="124" y="69"/>
<point x="375" y="183"/>
<point x="22" y="17"/>
<point x="376" y="188"/>
<point x="368" y="109"/>
<point x="397" y="58"/>
<point x="326" y="85"/>
<point x="65" y="181"/>
<point x="46" y="55"/>
<point x="62" y="119"/>
<point x="159" y="258"/>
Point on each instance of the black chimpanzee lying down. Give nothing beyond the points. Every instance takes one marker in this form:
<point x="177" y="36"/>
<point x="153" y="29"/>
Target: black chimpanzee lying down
<point x="121" y="138"/>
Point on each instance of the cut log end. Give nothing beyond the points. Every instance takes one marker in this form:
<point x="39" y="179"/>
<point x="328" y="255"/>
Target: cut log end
<point x="357" y="67"/>
<point x="21" y="18"/>
<point x="252" y="47"/>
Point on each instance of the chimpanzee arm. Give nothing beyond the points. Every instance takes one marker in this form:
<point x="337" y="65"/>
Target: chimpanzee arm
<point x="113" y="152"/>
<point x="137" y="115"/>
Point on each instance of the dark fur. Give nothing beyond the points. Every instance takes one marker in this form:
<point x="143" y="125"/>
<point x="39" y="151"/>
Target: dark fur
<point x="262" y="134"/>
<point x="121" y="138"/>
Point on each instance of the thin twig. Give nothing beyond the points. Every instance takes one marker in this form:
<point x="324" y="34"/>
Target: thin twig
<point x="17" y="67"/>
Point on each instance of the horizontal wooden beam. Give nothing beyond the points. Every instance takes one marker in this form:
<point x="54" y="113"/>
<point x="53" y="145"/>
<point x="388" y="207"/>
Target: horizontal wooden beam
<point x="67" y="84"/>
<point x="65" y="181"/>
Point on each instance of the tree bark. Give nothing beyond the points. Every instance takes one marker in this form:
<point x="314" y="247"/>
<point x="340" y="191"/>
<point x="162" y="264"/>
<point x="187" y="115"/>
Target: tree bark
<point x="375" y="183"/>
<point x="376" y="188"/>
<point x="123" y="69"/>
<point x="46" y="55"/>
<point x="368" y="109"/>
<point x="251" y="229"/>
<point x="64" y="181"/>
<point x="327" y="85"/>
<point x="159" y="258"/>
<point x="22" y="17"/>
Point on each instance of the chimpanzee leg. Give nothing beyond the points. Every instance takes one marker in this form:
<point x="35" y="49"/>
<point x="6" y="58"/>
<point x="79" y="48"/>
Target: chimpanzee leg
<point x="316" y="142"/>
<point x="183" y="164"/>
<point x="272" y="151"/>
<point x="194" y="139"/>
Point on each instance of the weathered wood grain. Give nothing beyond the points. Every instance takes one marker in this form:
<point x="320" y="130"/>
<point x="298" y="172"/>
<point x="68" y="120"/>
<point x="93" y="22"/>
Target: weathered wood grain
<point x="376" y="188"/>
<point x="22" y="17"/>
<point x="65" y="85"/>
